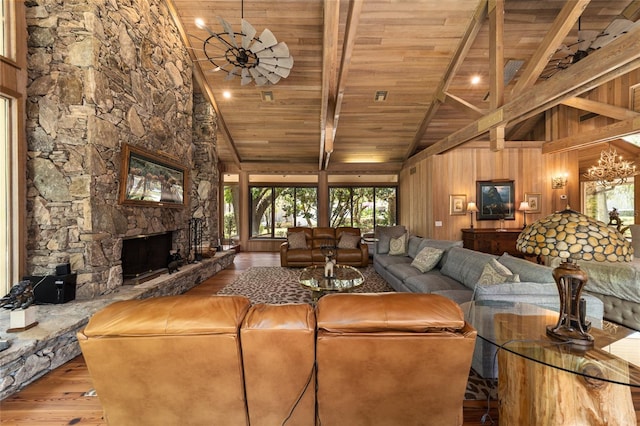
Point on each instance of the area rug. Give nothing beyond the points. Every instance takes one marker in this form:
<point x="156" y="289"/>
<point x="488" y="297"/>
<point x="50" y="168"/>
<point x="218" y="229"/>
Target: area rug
<point x="277" y="285"/>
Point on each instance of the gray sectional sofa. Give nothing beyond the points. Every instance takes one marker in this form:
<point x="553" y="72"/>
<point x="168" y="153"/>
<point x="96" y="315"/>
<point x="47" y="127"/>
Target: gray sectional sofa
<point x="456" y="276"/>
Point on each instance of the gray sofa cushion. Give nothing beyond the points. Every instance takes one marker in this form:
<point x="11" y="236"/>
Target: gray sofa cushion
<point x="413" y="246"/>
<point x="440" y="244"/>
<point x="403" y="270"/>
<point x="433" y="281"/>
<point x="465" y="266"/>
<point x="528" y="271"/>
<point x="384" y="235"/>
<point x="385" y="260"/>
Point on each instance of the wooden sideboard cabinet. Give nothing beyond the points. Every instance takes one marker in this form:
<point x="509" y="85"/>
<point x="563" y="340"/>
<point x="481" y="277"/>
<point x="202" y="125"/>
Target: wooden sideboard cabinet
<point x="492" y="241"/>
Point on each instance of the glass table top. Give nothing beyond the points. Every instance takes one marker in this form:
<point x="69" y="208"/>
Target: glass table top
<point x="520" y="328"/>
<point x="346" y="278"/>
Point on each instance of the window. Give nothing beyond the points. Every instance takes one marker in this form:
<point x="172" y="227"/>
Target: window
<point x="7" y="48"/>
<point x="598" y="202"/>
<point x="362" y="207"/>
<point x="231" y="214"/>
<point x="8" y="252"/>
<point x="274" y="209"/>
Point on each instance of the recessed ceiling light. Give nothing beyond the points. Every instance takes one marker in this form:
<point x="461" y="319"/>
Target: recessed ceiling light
<point x="381" y="95"/>
<point x="475" y="79"/>
<point x="226" y="94"/>
<point x="267" y="96"/>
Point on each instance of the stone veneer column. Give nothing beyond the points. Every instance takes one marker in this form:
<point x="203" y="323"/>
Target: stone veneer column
<point x="206" y="178"/>
<point x="103" y="73"/>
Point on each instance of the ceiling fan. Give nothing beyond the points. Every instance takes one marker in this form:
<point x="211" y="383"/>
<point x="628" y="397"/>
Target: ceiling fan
<point x="588" y="41"/>
<point x="259" y="58"/>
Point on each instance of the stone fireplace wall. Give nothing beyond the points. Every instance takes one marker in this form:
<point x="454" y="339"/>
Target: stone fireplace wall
<point x="103" y="73"/>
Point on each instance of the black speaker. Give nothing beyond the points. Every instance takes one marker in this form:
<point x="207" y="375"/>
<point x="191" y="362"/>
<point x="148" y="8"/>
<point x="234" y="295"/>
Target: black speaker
<point x="64" y="269"/>
<point x="53" y="289"/>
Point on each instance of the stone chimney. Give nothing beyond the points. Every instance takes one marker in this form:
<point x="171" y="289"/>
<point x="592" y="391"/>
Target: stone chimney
<point x="103" y="73"/>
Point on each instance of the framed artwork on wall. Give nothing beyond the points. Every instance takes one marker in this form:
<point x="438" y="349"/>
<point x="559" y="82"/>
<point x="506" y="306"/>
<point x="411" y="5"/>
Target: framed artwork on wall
<point x="495" y="199"/>
<point x="534" y="200"/>
<point x="149" y="179"/>
<point x="457" y="204"/>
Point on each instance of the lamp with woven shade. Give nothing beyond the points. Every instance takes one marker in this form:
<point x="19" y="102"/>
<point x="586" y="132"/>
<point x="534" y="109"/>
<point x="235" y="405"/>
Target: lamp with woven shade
<point x="572" y="236"/>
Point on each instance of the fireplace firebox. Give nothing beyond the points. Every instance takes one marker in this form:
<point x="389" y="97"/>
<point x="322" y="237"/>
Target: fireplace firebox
<point x="145" y="256"/>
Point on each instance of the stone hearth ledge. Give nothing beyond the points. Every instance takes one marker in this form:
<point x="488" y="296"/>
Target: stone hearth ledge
<point x="45" y="347"/>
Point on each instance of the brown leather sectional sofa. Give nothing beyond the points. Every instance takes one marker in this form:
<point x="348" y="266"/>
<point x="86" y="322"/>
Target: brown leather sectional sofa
<point x="316" y="239"/>
<point x="374" y="359"/>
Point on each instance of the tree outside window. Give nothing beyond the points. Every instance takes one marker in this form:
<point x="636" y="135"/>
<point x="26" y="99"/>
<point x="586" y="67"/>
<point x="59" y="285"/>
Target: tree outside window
<point x="274" y="209"/>
<point x="362" y="207"/>
<point x="598" y="203"/>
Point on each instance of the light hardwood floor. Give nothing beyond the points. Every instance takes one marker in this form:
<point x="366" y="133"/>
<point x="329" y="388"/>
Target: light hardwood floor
<point x="57" y="398"/>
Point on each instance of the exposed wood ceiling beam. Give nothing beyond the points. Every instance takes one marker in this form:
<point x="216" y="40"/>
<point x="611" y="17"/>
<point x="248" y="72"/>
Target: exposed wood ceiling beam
<point x="329" y="76"/>
<point x="601" y="108"/>
<point x="202" y="83"/>
<point x="593" y="136"/>
<point x="466" y="41"/>
<point x="355" y="7"/>
<point x="467" y="105"/>
<point x="311" y="168"/>
<point x="496" y="68"/>
<point x="621" y="56"/>
<point x="632" y="12"/>
<point x="563" y="23"/>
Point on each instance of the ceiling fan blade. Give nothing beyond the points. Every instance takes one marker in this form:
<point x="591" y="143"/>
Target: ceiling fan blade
<point x="246" y="78"/>
<point x="266" y="39"/>
<point x="232" y="73"/>
<point x="585" y="38"/>
<point x="280" y="50"/>
<point x="249" y="32"/>
<point x="280" y="62"/>
<point x="282" y="72"/>
<point x="615" y="29"/>
<point x="229" y="30"/>
<point x="273" y="78"/>
<point x="259" y="78"/>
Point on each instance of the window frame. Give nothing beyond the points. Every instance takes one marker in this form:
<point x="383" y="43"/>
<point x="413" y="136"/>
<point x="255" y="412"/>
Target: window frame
<point x="273" y="187"/>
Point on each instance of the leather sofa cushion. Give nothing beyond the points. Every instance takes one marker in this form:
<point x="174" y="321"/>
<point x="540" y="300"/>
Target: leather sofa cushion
<point x="323" y="236"/>
<point x="381" y="312"/>
<point x="179" y="315"/>
<point x="278" y="356"/>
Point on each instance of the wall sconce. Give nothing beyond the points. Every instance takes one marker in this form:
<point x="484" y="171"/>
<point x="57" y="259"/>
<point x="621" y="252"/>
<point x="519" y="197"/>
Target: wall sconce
<point x="559" y="182"/>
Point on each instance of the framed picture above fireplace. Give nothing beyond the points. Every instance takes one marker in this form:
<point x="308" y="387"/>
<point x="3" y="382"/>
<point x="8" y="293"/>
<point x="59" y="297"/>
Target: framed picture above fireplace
<point x="149" y="179"/>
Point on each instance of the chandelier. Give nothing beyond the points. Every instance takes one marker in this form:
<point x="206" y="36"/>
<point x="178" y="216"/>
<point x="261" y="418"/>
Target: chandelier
<point x="261" y="59"/>
<point x="611" y="170"/>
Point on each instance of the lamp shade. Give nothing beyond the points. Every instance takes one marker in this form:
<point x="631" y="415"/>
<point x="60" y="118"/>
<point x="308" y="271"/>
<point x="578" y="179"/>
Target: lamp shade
<point x="524" y="206"/>
<point x="471" y="207"/>
<point x="570" y="235"/>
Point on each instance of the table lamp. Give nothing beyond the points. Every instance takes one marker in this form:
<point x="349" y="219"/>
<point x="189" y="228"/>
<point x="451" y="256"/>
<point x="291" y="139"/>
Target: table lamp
<point x="471" y="208"/>
<point x="572" y="236"/>
<point x="524" y="208"/>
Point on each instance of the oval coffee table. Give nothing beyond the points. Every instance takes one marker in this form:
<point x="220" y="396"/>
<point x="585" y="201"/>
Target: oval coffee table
<point x="346" y="279"/>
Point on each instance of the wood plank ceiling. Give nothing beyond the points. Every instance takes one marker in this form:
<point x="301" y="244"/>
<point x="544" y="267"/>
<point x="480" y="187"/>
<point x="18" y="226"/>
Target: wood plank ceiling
<point x="423" y="53"/>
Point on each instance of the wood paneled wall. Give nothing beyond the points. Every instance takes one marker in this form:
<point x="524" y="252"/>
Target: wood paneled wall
<point x="425" y="187"/>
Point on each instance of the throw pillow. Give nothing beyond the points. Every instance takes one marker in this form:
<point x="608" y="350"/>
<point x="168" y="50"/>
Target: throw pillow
<point x="398" y="246"/>
<point x="427" y="259"/>
<point x="297" y="240"/>
<point x="349" y="241"/>
<point x="495" y="273"/>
